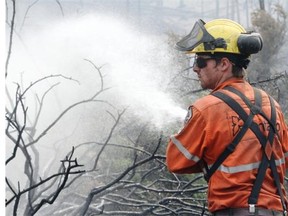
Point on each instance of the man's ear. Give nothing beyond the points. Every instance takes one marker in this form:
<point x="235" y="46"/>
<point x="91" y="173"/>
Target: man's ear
<point x="225" y="63"/>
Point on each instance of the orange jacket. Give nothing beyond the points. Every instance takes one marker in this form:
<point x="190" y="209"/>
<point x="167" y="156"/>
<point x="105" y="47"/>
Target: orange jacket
<point x="211" y="127"/>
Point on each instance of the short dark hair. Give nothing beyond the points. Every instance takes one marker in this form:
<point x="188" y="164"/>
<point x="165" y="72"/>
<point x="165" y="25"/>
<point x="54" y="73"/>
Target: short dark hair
<point x="238" y="71"/>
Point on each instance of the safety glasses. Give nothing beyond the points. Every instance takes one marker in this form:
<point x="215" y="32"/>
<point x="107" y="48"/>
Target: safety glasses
<point x="201" y="62"/>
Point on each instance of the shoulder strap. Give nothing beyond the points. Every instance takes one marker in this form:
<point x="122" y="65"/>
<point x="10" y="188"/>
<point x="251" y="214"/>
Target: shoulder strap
<point x="266" y="161"/>
<point x="250" y="105"/>
<point x="265" y="141"/>
<point x="248" y="119"/>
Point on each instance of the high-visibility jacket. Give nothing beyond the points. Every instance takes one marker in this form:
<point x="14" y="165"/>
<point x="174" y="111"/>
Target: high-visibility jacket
<point x="210" y="127"/>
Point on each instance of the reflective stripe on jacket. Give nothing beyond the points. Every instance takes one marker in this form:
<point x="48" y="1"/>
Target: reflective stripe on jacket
<point x="206" y="134"/>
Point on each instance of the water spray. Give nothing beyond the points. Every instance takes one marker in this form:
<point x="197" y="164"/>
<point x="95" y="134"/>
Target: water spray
<point x="134" y="63"/>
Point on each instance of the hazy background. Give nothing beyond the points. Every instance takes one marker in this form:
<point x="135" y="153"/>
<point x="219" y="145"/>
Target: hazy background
<point x="129" y="40"/>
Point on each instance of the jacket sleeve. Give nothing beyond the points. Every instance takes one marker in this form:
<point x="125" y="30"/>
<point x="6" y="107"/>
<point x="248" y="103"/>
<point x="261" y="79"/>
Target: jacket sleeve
<point x="285" y="142"/>
<point x="286" y="148"/>
<point x="185" y="149"/>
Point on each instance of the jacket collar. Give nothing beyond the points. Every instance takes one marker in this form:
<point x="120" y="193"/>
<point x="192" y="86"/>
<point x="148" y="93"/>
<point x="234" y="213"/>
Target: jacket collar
<point x="228" y="82"/>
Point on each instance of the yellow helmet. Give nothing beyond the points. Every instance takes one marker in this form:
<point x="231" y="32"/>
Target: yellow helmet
<point x="220" y="35"/>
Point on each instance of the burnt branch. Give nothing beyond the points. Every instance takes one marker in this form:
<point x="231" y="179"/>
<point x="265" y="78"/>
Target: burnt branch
<point x="26" y="13"/>
<point x="60" y="6"/>
<point x="68" y="166"/>
<point x="96" y="191"/>
<point x="40" y="191"/>
<point x="117" y="119"/>
<point x="10" y="37"/>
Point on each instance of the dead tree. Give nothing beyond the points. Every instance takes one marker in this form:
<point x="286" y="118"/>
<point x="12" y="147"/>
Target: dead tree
<point x="10" y="37"/>
<point x="143" y="187"/>
<point x="262" y="5"/>
<point x="22" y="141"/>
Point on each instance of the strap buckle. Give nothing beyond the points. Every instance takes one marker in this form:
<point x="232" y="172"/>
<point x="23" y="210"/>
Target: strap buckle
<point x="252" y="208"/>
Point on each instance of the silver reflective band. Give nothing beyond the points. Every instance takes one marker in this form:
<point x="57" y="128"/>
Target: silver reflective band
<point x="240" y="168"/>
<point x="280" y="161"/>
<point x="246" y="167"/>
<point x="222" y="168"/>
<point x="183" y="150"/>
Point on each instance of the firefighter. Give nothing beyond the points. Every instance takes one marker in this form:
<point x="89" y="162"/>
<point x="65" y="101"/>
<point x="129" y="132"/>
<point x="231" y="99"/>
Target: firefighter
<point x="237" y="134"/>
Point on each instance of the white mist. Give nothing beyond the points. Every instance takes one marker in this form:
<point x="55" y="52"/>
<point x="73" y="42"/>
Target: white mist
<point x="135" y="65"/>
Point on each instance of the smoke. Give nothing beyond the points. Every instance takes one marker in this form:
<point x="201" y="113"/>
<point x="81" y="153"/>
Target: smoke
<point x="135" y="65"/>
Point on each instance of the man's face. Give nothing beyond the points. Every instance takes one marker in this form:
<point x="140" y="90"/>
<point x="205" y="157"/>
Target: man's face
<point x="207" y="71"/>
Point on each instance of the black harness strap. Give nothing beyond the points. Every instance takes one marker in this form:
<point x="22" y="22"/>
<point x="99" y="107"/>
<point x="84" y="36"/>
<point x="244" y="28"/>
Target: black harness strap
<point x="250" y="105"/>
<point x="267" y="159"/>
<point x="249" y="123"/>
